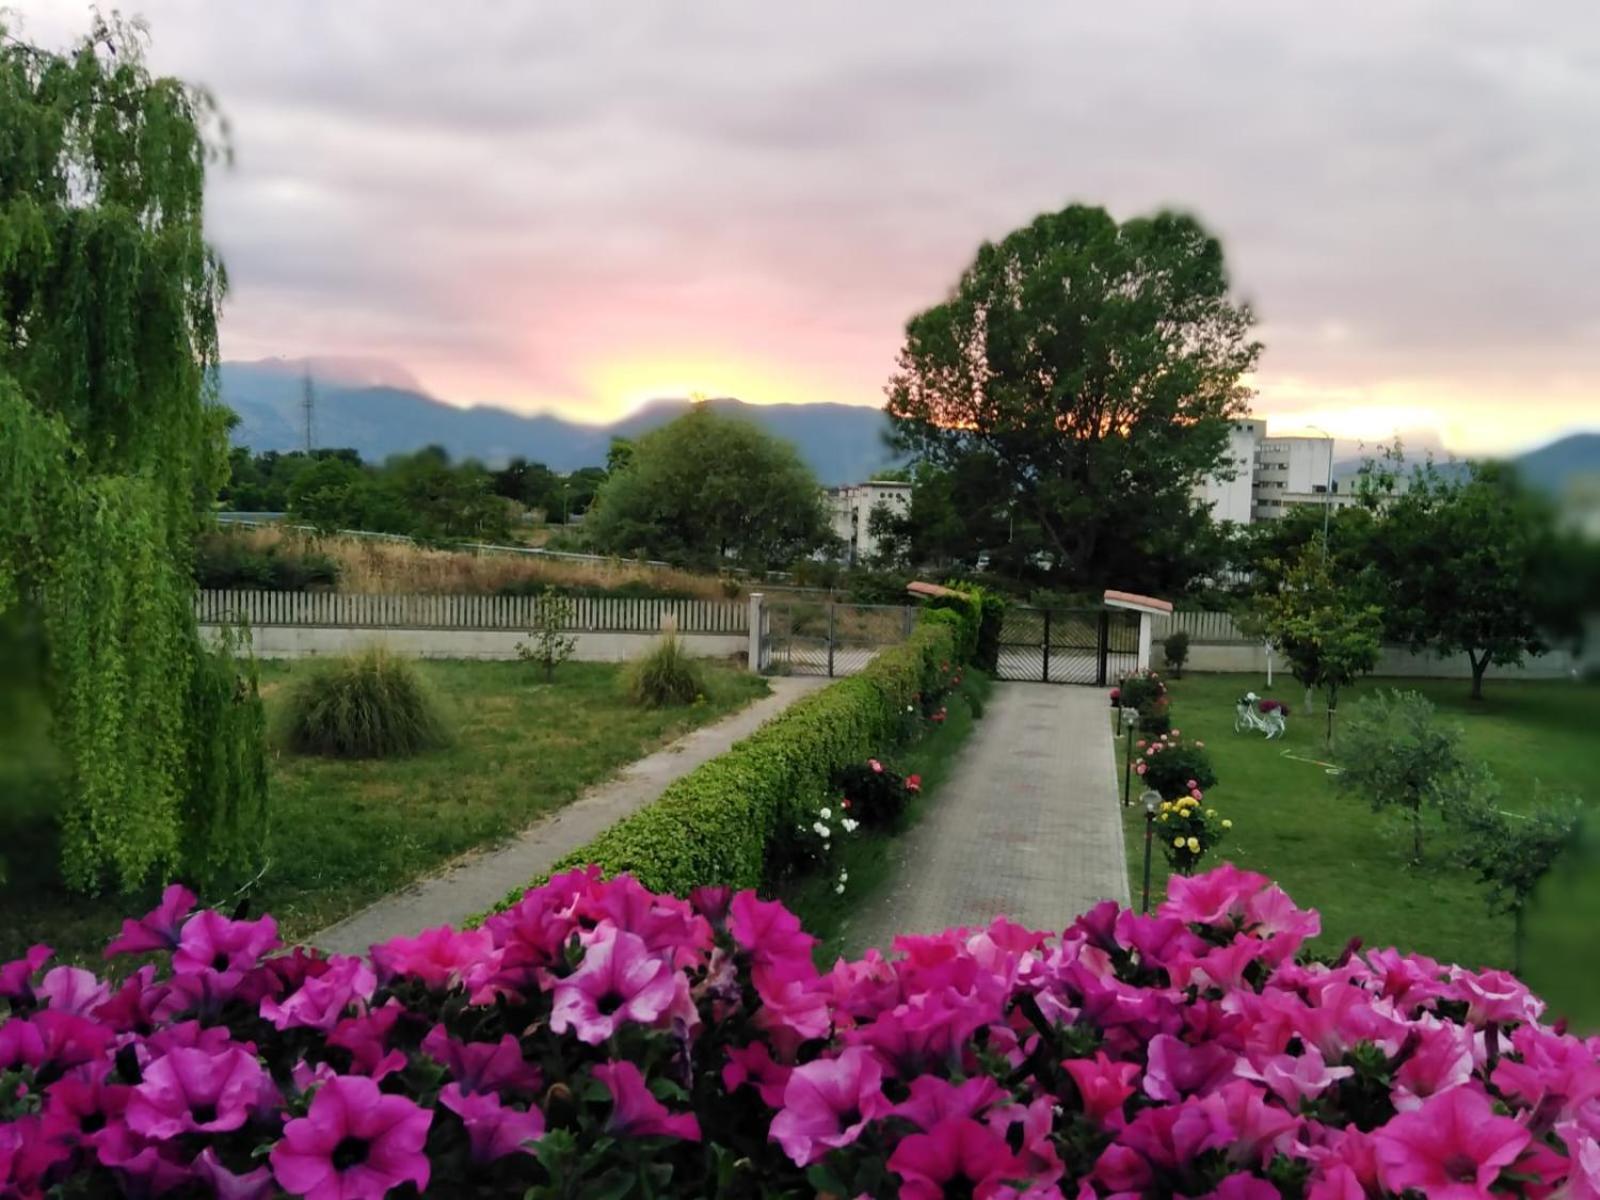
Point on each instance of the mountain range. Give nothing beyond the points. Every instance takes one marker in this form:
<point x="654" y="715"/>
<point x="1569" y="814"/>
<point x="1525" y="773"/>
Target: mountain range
<point x="379" y="408"/>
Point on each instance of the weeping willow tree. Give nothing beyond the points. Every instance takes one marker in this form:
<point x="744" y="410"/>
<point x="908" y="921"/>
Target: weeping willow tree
<point x="111" y="445"/>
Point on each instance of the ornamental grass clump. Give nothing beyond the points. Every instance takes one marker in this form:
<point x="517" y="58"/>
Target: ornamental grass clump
<point x="369" y="705"/>
<point x="599" y="1039"/>
<point x="665" y="677"/>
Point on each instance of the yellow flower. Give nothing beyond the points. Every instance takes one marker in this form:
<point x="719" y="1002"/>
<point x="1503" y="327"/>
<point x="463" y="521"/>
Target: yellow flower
<point x="1178" y="842"/>
<point x="1194" y="845"/>
<point x="1211" y="812"/>
<point x="1162" y="817"/>
<point x="1227" y="824"/>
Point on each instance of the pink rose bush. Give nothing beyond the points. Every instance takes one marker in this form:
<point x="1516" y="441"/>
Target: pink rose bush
<point x="597" y="1039"/>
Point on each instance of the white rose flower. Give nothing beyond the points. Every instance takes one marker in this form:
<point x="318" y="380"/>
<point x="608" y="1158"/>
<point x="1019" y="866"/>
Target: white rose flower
<point x="826" y="814"/>
<point x="849" y="825"/>
<point x="838" y="889"/>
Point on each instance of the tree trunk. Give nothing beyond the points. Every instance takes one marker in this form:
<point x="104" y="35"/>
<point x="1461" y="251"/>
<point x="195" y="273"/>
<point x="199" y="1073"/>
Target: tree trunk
<point x="1416" y="834"/>
<point x="1479" y="666"/>
<point x="1310" y="707"/>
<point x="1333" y="704"/>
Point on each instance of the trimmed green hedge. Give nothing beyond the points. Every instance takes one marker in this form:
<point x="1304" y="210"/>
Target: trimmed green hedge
<point x="713" y="826"/>
<point x="968" y="612"/>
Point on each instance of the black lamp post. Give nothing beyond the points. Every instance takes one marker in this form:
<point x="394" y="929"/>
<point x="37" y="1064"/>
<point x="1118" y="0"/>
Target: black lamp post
<point x="1151" y="799"/>
<point x="1130" y="722"/>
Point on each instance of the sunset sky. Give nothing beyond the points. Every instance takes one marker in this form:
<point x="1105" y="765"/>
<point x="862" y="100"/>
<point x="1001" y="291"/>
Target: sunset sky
<point x="579" y="206"/>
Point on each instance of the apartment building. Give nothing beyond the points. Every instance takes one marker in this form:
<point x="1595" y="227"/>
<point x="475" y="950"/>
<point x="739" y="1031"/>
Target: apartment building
<point x="1263" y="477"/>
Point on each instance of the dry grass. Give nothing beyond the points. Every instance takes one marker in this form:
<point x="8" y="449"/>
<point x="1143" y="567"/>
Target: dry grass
<point x="370" y="565"/>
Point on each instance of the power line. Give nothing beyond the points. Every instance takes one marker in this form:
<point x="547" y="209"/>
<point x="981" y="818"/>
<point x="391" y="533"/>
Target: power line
<point x="308" y="405"/>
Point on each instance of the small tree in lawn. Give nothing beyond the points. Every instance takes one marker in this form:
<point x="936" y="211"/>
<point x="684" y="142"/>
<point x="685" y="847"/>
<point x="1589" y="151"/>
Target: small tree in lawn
<point x="1176" y="651"/>
<point x="549" y="644"/>
<point x="1396" y="754"/>
<point x="1327" y="635"/>
<point x="1513" y="853"/>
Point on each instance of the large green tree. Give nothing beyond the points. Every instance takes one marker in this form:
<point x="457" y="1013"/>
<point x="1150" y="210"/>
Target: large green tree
<point x="1096" y="365"/>
<point x="111" y="448"/>
<point x="708" y="488"/>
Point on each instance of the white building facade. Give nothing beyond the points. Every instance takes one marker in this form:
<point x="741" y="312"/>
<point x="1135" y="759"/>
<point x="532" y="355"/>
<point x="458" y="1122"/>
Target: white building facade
<point x="850" y="510"/>
<point x="1270" y="475"/>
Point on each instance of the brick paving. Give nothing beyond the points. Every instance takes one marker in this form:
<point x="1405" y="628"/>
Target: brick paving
<point x="1028" y="825"/>
<point x="474" y="883"/>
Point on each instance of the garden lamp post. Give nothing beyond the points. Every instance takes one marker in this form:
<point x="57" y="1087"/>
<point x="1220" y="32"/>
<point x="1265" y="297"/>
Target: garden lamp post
<point x="1130" y="722"/>
<point x="1152" y="802"/>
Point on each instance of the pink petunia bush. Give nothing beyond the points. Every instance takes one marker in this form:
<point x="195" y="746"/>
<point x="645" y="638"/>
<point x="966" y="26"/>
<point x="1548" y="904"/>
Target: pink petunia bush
<point x="600" y="1040"/>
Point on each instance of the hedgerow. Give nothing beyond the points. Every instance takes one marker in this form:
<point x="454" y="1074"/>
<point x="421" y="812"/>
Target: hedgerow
<point x="715" y="825"/>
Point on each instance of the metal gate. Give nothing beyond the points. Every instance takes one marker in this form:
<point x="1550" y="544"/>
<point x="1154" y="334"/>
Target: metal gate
<point x="1068" y="645"/>
<point x="819" y="637"/>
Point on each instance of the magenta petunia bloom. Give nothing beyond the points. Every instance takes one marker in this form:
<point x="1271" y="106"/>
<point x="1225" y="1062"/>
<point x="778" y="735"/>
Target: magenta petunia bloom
<point x="1441" y="1061"/>
<point x="1452" y="1148"/>
<point x="958" y="1156"/>
<point x="211" y="942"/>
<point x="493" y="1129"/>
<point x="1295" y="1079"/>
<point x="191" y="1090"/>
<point x="827" y="1103"/>
<point x="483" y="1066"/>
<point x="157" y="929"/>
<point x="16" y="977"/>
<point x="1583" y="1148"/>
<point x="711" y="902"/>
<point x="754" y="1064"/>
<point x="355" y="1143"/>
<point x="79" y="1110"/>
<point x="1216" y="898"/>
<point x="769" y="931"/>
<point x="227" y="1185"/>
<point x="51" y="1039"/>
<point x="72" y="990"/>
<point x="1176" y="1069"/>
<point x="617" y="982"/>
<point x="1104" y="1086"/>
<point x="637" y="1113"/>
<point x="933" y="1100"/>
<point x="439" y="958"/>
<point x="322" y="1000"/>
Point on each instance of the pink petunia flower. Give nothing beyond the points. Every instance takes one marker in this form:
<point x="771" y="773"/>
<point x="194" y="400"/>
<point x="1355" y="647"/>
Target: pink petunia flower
<point x="226" y="1185"/>
<point x="1452" y="1148"/>
<point x="1294" y="1079"/>
<point x="209" y="941"/>
<point x="1176" y="1069"/>
<point x="1104" y="1086"/>
<point x="618" y="981"/>
<point x="958" y="1156"/>
<point x="754" y="1064"/>
<point x="933" y="1100"/>
<point x="769" y="931"/>
<point x="1441" y="1061"/>
<point x="73" y="990"/>
<point x="191" y="1090"/>
<point x="16" y="976"/>
<point x="494" y="1130"/>
<point x="637" y="1113"/>
<point x="483" y="1066"/>
<point x="322" y="1000"/>
<point x="438" y="958"/>
<point x="355" y="1143"/>
<point x="157" y="929"/>
<point x="875" y="766"/>
<point x="1583" y="1180"/>
<point x="827" y="1103"/>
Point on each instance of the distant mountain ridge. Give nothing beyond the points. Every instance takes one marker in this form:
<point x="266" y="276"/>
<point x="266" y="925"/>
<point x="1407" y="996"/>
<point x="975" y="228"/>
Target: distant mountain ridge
<point x="379" y="409"/>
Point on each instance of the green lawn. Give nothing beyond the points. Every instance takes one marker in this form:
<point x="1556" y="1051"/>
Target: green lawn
<point x="1331" y="852"/>
<point x="346" y="833"/>
<point x="866" y="854"/>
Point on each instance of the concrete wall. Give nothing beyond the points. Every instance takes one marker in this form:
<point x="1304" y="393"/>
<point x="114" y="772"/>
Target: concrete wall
<point x="286" y="641"/>
<point x="1395" y="662"/>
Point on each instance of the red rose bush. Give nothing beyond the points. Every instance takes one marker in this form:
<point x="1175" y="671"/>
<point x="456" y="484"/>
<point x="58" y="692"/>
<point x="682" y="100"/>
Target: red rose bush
<point x="600" y="1040"/>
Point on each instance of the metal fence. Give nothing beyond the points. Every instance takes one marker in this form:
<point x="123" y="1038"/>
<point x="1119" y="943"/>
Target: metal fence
<point x="817" y="637"/>
<point x="1065" y="645"/>
<point x="598" y="614"/>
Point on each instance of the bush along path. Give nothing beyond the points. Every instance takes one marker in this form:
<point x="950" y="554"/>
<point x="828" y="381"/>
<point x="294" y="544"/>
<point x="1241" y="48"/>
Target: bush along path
<point x="1026" y="826"/>
<point x="476" y="882"/>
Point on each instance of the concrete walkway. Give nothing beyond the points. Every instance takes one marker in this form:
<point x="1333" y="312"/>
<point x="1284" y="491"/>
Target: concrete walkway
<point x="474" y="883"/>
<point x="1028" y="825"/>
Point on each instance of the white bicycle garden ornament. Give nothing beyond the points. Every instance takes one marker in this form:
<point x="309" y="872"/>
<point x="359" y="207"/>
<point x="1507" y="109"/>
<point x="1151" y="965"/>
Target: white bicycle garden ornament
<point x="1248" y="715"/>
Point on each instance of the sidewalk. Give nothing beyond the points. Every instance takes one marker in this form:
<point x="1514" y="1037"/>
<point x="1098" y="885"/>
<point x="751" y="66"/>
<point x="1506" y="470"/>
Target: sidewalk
<point x="477" y="881"/>
<point x="1027" y="826"/>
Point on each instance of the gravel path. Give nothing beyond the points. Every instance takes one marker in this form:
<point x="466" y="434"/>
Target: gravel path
<point x="1028" y="824"/>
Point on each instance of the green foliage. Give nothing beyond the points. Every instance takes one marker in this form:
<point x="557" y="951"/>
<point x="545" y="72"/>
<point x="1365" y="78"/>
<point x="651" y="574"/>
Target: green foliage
<point x="549" y="644"/>
<point x="421" y="495"/>
<point x="110" y="440"/>
<point x="1395" y="753"/>
<point x="1329" y="637"/>
<point x="968" y="610"/>
<point x="665" y="676"/>
<point x="991" y="614"/>
<point x="716" y="823"/>
<point x="1145" y="693"/>
<point x="1175" y="649"/>
<point x="1094" y="368"/>
<point x="225" y="561"/>
<point x="225" y="820"/>
<point x="1170" y="764"/>
<point x="1512" y="852"/>
<point x="369" y="705"/>
<point x="706" y="488"/>
<point x="876" y="587"/>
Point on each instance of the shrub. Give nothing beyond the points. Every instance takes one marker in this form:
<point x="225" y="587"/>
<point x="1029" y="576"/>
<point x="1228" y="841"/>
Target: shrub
<point x="599" y="1040"/>
<point x="369" y="705"/>
<point x="665" y="677"/>
<point x="1176" y="651"/>
<point x="874" y="795"/>
<point x="876" y="587"/>
<point x="1142" y="691"/>
<point x="715" y="825"/>
<point x="967" y="612"/>
<point x="1188" y="831"/>
<point x="549" y="645"/>
<point x="225" y="561"/>
<point x="1396" y="754"/>
<point x="1174" y="767"/>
